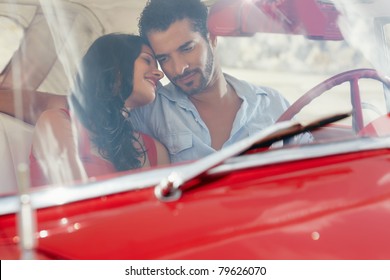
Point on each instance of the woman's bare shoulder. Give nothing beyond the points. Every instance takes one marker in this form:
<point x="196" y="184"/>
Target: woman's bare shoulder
<point x="52" y="116"/>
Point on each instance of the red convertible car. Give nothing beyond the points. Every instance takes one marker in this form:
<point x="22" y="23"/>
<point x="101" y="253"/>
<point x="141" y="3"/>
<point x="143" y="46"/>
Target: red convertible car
<point x="329" y="199"/>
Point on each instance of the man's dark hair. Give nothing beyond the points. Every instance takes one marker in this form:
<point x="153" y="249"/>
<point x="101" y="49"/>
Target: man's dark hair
<point x="158" y="15"/>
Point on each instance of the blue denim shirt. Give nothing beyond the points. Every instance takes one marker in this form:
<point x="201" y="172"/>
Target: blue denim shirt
<point x="174" y="121"/>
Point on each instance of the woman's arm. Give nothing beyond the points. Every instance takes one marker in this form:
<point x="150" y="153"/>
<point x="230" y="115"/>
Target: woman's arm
<point x="55" y="147"/>
<point x="28" y="105"/>
<point x="162" y="153"/>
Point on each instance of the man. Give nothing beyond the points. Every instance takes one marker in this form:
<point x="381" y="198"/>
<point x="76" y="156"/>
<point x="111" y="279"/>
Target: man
<point x="202" y="110"/>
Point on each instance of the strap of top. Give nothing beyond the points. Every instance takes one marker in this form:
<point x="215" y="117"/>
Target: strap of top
<point x="66" y="111"/>
<point x="151" y="149"/>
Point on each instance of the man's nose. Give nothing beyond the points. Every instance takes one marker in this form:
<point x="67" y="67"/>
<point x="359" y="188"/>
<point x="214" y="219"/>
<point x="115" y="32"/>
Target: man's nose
<point x="180" y="65"/>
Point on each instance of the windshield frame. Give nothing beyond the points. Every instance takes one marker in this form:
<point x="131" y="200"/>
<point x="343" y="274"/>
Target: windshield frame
<point x="51" y="196"/>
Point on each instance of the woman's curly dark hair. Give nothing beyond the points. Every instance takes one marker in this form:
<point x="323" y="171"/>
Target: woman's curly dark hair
<point x="102" y="85"/>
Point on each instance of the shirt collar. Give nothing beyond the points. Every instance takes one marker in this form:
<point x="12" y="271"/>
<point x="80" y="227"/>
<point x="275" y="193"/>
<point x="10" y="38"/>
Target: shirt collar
<point x="243" y="89"/>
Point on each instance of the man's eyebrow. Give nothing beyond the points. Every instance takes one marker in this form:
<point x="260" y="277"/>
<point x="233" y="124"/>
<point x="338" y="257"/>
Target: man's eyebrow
<point x="183" y="46"/>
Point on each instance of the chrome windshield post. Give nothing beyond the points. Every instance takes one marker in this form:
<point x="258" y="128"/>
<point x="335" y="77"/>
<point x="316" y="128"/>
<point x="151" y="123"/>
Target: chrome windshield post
<point x="26" y="217"/>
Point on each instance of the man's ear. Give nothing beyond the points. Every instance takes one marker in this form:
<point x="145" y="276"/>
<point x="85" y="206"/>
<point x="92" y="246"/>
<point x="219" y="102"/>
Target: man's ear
<point x="213" y="40"/>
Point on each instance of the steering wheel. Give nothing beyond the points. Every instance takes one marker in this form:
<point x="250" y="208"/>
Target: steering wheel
<point x="352" y="76"/>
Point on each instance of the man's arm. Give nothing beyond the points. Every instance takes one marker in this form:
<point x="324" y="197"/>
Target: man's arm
<point x="28" y="105"/>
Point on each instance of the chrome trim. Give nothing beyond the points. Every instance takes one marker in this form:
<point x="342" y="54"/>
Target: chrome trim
<point x="59" y="195"/>
<point x="168" y="189"/>
<point x="175" y="180"/>
<point x="309" y="151"/>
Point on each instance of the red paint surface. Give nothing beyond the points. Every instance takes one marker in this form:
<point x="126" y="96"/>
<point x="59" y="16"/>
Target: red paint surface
<point x="330" y="208"/>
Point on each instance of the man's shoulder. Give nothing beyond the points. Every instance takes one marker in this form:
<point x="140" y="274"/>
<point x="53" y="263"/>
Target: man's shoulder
<point x="243" y="87"/>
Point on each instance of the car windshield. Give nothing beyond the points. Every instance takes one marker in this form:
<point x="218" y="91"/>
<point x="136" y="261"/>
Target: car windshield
<point x="269" y="43"/>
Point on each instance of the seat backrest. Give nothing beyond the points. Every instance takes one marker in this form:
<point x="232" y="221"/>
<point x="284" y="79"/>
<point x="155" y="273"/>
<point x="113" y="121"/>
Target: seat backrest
<point x="378" y="127"/>
<point x="15" y="146"/>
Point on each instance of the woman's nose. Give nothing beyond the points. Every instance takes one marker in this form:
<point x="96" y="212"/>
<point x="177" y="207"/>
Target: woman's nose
<point x="158" y="74"/>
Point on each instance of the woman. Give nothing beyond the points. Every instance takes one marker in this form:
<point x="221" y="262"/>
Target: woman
<point x="118" y="73"/>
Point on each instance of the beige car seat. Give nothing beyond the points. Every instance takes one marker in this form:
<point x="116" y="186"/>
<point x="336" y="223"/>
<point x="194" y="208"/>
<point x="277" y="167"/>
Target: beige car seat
<point x="15" y="146"/>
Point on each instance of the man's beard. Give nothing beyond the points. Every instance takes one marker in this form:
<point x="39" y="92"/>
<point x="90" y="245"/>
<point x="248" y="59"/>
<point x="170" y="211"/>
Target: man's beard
<point x="204" y="76"/>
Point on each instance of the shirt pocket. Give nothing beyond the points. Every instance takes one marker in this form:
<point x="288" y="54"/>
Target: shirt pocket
<point x="178" y="142"/>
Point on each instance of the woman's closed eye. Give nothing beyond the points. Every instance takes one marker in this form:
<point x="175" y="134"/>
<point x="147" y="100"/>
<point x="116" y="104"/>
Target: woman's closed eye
<point x="150" y="60"/>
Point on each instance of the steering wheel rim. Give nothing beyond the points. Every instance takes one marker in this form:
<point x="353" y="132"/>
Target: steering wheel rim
<point x="352" y="76"/>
